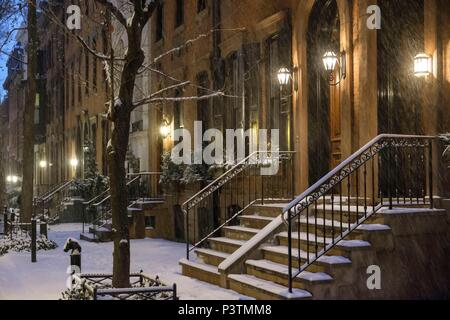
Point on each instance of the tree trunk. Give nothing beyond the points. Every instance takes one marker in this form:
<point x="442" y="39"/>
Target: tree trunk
<point x="119" y="199"/>
<point x="2" y="163"/>
<point x="26" y="204"/>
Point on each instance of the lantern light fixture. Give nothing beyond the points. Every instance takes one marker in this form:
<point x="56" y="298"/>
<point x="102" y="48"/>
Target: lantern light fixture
<point x="422" y="65"/>
<point x="165" y="129"/>
<point x="43" y="164"/>
<point x="74" y="162"/>
<point x="284" y="76"/>
<point x="331" y="62"/>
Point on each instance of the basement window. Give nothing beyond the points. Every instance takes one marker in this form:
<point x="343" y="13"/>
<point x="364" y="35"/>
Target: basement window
<point x="179" y="13"/>
<point x="201" y="5"/>
<point x="159" y="22"/>
<point x="150" y="222"/>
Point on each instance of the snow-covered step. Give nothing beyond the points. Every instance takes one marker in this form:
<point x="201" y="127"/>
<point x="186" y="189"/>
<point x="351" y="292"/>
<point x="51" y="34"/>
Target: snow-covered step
<point x="255" y="221"/>
<point x="89" y="237"/>
<point x="200" y="271"/>
<point x="276" y="272"/>
<point x="226" y="245"/>
<point x="240" y="233"/>
<point x="279" y="254"/>
<point x="268" y="210"/>
<point x="265" y="290"/>
<point x="211" y="257"/>
<point x="308" y="242"/>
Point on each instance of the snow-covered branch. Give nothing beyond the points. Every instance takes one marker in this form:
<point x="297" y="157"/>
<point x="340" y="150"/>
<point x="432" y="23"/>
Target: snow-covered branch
<point x="191" y="41"/>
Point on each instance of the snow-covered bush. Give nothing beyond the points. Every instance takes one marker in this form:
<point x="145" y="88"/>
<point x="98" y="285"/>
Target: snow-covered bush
<point x="20" y="243"/>
<point x="74" y="294"/>
<point x="196" y="173"/>
<point x="171" y="172"/>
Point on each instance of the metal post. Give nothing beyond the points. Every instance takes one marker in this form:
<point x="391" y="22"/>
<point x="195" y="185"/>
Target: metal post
<point x="5" y="221"/>
<point x="430" y="172"/>
<point x="289" y="251"/>
<point x="75" y="260"/>
<point x="187" y="233"/>
<point x="33" y="240"/>
<point x="175" y="291"/>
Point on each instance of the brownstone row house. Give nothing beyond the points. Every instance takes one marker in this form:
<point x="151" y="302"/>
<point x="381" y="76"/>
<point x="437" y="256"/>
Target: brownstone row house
<point x="351" y="75"/>
<point x="350" y="79"/>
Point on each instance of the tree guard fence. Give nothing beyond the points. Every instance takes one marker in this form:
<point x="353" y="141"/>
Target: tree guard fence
<point x="143" y="287"/>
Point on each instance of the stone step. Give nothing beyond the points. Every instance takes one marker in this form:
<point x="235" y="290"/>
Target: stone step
<point x="255" y="221"/>
<point x="225" y="245"/>
<point x="278" y="273"/>
<point x="200" y="271"/>
<point x="211" y="257"/>
<point x="326" y="263"/>
<point x="240" y="233"/>
<point x="264" y="290"/>
<point x="268" y="210"/>
<point x="333" y="228"/>
<point x="307" y="242"/>
<point x="89" y="237"/>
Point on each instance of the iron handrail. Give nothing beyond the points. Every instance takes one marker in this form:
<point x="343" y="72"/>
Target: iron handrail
<point x="109" y="195"/>
<point x="57" y="190"/>
<point x="345" y="163"/>
<point x="220" y="182"/>
<point x="210" y="187"/>
<point x="334" y="178"/>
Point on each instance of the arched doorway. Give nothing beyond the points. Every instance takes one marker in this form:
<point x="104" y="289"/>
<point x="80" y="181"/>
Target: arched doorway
<point x="400" y="93"/>
<point x="324" y="132"/>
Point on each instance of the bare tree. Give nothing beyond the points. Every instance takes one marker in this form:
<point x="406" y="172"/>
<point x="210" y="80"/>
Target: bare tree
<point x="132" y="16"/>
<point x="26" y="203"/>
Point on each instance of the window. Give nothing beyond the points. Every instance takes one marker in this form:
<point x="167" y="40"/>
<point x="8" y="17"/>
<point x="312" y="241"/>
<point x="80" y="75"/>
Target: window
<point x="94" y="67"/>
<point x="179" y="13"/>
<point x="86" y="72"/>
<point x="72" y="71"/>
<point x="178" y="112"/>
<point x="150" y="222"/>
<point x="279" y="109"/>
<point x="203" y="106"/>
<point x="201" y="5"/>
<point x="159" y="22"/>
<point x="78" y="76"/>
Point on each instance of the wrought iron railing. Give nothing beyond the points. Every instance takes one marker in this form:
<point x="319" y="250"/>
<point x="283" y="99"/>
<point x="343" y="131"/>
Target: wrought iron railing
<point x="48" y="205"/>
<point x="230" y="195"/>
<point x="390" y="171"/>
<point x="141" y="187"/>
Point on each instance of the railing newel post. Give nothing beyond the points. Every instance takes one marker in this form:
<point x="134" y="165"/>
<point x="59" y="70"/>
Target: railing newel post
<point x="430" y="172"/>
<point x="289" y="250"/>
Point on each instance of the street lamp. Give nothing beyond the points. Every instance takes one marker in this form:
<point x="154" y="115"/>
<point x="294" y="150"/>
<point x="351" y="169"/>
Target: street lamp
<point x="331" y="61"/>
<point x="74" y="162"/>
<point x="422" y="65"/>
<point x="43" y="164"/>
<point x="13" y="179"/>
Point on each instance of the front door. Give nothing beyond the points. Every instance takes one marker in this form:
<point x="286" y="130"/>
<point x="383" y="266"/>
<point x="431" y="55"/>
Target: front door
<point x="324" y="112"/>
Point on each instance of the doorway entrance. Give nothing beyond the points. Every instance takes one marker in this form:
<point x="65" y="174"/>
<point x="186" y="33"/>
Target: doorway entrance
<point x="324" y="125"/>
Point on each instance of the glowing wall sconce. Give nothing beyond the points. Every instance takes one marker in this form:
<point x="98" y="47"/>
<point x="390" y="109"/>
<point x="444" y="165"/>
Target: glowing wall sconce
<point x="165" y="129"/>
<point x="422" y="65"/>
<point x="331" y="61"/>
<point x="284" y="76"/>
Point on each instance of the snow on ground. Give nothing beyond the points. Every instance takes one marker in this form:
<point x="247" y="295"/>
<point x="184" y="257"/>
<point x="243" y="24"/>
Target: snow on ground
<point x="46" y="279"/>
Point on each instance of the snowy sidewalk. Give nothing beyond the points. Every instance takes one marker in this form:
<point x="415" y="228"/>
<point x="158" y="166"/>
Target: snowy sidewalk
<point x="20" y="279"/>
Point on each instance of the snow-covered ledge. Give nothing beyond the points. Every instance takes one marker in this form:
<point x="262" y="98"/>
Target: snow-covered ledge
<point x="250" y="250"/>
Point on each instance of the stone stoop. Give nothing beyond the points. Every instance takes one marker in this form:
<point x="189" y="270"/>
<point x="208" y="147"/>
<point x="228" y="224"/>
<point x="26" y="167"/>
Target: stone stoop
<point x="344" y="266"/>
